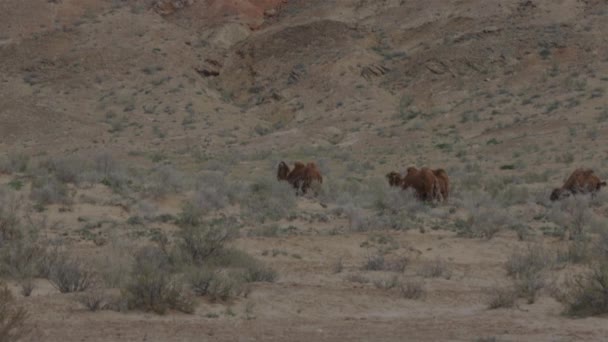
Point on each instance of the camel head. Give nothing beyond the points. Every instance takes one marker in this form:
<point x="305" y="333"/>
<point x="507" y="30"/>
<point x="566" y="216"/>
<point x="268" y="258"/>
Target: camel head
<point x="556" y="194"/>
<point x="394" y="178"/>
<point x="282" y="171"/>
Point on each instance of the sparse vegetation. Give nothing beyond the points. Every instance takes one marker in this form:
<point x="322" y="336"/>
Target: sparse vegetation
<point x="587" y="294"/>
<point x="70" y="275"/>
<point x="412" y="289"/>
<point x="502" y="298"/>
<point x="12" y="317"/>
<point x="436" y="268"/>
<point x="153" y="286"/>
<point x="139" y="151"/>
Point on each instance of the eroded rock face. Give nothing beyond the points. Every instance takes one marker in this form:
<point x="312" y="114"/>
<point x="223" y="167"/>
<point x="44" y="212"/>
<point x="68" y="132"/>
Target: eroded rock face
<point x="166" y="7"/>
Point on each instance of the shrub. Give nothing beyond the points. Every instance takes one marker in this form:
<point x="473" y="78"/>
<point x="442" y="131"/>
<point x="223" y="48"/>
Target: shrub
<point x="197" y="243"/>
<point x="12" y="317"/>
<point x="486" y="217"/>
<point x="201" y="279"/>
<point x="27" y="286"/>
<point x="93" y="300"/>
<point x="526" y="267"/>
<point x="250" y="268"/>
<point x="70" y="275"/>
<point x="164" y="180"/>
<point x="65" y="169"/>
<point x="587" y="294"/>
<point x="528" y="285"/>
<point x="577" y="251"/>
<point x="14" y="162"/>
<point x="533" y="260"/>
<point x="9" y="220"/>
<point x="217" y="285"/>
<point x="22" y="258"/>
<point x="572" y="214"/>
<point x="412" y="290"/>
<point x="387" y="283"/>
<point x="268" y="199"/>
<point x="48" y="190"/>
<point x="153" y="286"/>
<point x="502" y="298"/>
<point x="256" y="271"/>
<point x="435" y="269"/>
<point x="374" y="262"/>
<point x="115" y="262"/>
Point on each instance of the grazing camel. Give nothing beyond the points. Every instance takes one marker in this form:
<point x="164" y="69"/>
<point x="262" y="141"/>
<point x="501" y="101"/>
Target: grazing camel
<point x="429" y="185"/>
<point x="581" y="181"/>
<point x="301" y="176"/>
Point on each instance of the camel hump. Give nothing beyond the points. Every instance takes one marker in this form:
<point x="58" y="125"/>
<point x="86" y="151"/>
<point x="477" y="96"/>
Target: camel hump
<point x="411" y="170"/>
<point x="311" y="165"/>
<point x="298" y="165"/>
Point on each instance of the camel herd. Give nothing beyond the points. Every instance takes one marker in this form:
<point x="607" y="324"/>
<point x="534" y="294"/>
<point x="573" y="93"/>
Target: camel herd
<point x="431" y="185"/>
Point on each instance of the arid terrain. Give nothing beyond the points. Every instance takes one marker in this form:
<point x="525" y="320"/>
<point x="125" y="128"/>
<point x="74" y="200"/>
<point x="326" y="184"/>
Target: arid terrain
<point x="139" y="144"/>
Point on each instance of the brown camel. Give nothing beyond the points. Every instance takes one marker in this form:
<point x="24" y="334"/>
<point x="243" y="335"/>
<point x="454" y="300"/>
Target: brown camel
<point x="444" y="183"/>
<point x="301" y="176"/>
<point x="424" y="182"/>
<point x="581" y="181"/>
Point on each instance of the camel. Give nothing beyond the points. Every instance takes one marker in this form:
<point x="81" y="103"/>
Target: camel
<point x="581" y="181"/>
<point x="429" y="185"/>
<point x="444" y="183"/>
<point x="423" y="181"/>
<point x="301" y="176"/>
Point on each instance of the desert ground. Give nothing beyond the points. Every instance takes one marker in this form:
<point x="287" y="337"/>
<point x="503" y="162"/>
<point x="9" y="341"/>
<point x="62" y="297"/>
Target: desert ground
<point x="139" y="144"/>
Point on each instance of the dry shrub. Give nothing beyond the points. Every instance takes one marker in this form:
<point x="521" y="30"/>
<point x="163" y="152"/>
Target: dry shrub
<point x="216" y="285"/>
<point x="435" y="269"/>
<point x="93" y="300"/>
<point x="267" y="199"/>
<point x="387" y="283"/>
<point x="527" y="269"/>
<point x="534" y="259"/>
<point x="14" y="162"/>
<point x="486" y="216"/>
<point x="164" y="180"/>
<point x="153" y="286"/>
<point x="68" y="274"/>
<point x="412" y="289"/>
<point x="12" y="317"/>
<point x="47" y="190"/>
<point x="199" y="242"/>
<point x="587" y="294"/>
<point x="572" y="214"/>
<point x="502" y="298"/>
<point x="9" y="221"/>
